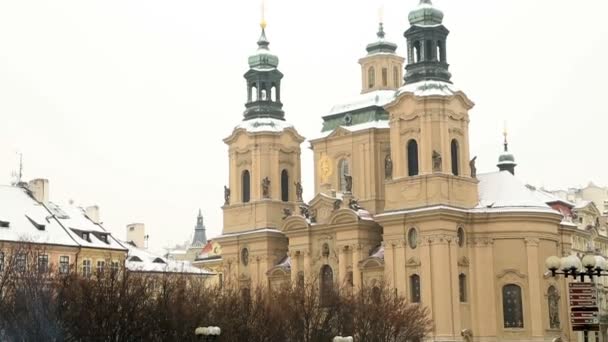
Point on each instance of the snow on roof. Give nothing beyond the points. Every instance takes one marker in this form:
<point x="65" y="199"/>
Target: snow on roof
<point x="548" y="197"/>
<point x="380" y="124"/>
<point x="76" y="222"/>
<point x="580" y="204"/>
<point x="501" y="190"/>
<point x="373" y="98"/>
<point x="429" y="88"/>
<point x="28" y="220"/>
<point x="262" y="230"/>
<point x="263" y="125"/>
<point x="140" y="260"/>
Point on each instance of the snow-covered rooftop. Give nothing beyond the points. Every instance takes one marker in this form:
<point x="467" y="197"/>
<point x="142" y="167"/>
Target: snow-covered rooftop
<point x="76" y="222"/>
<point x="140" y="260"/>
<point x="264" y="125"/>
<point x="502" y="190"/>
<point x="429" y="88"/>
<point x="359" y="127"/>
<point x="374" y="98"/>
<point x="28" y="220"/>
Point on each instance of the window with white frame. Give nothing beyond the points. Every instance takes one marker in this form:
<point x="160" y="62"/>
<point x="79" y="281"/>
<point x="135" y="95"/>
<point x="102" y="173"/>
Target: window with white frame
<point x="86" y="268"/>
<point x="43" y="263"/>
<point x="64" y="264"/>
<point x="20" y="262"/>
<point x="101" y="265"/>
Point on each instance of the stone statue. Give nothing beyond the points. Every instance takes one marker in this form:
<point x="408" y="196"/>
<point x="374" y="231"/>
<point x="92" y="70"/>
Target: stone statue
<point x="473" y="167"/>
<point x="266" y="187"/>
<point x="467" y="335"/>
<point x="349" y="183"/>
<point x="436" y="161"/>
<point x="337" y="204"/>
<point x="226" y="195"/>
<point x="325" y="251"/>
<point x="388" y="167"/>
<point x="286" y="213"/>
<point x="312" y="215"/>
<point x="354" y="204"/>
<point x="299" y="191"/>
<point x="553" y="299"/>
<point x="304" y="210"/>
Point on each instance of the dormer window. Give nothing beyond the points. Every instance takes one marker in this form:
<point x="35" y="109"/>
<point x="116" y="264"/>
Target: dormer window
<point x="159" y="261"/>
<point x="86" y="236"/>
<point x="4" y="224"/>
<point x="36" y="224"/>
<point x="135" y="258"/>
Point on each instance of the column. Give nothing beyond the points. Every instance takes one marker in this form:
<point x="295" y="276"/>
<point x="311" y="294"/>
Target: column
<point x="295" y="266"/>
<point x="536" y="296"/>
<point x="399" y="276"/>
<point x="484" y="309"/>
<point x="341" y="265"/>
<point x="389" y="262"/>
<point x="356" y="271"/>
<point x="307" y="266"/>
<point x="440" y="287"/>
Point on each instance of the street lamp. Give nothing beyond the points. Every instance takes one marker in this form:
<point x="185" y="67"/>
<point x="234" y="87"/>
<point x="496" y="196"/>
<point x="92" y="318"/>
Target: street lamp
<point x="571" y="266"/>
<point x="343" y="339"/>
<point x="208" y="333"/>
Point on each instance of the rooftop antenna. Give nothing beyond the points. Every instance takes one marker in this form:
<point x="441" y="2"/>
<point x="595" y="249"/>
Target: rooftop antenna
<point x="18" y="176"/>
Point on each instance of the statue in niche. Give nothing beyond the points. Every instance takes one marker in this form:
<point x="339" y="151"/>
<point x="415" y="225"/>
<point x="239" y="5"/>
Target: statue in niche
<point x="388" y="167"/>
<point x="325" y="251"/>
<point x="286" y="213"/>
<point x="473" y="167"/>
<point x="226" y="195"/>
<point x="553" y="299"/>
<point x="436" y="161"/>
<point x="266" y="187"/>
<point x="467" y="334"/>
<point x="349" y="183"/>
<point x="299" y="191"/>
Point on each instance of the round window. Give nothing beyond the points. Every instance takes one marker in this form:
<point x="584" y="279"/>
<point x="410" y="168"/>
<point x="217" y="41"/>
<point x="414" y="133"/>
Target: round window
<point x="461" y="237"/>
<point x="245" y="256"/>
<point x="412" y="238"/>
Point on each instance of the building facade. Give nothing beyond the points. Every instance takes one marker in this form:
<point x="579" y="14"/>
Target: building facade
<point x="397" y="199"/>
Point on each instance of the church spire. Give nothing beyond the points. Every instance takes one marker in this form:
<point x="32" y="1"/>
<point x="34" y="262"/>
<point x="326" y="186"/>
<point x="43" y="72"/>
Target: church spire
<point x="263" y="81"/>
<point x="426" y="41"/>
<point x="506" y="160"/>
<point x="200" y="235"/>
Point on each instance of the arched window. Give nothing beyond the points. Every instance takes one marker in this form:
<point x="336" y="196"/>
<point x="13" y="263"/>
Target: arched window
<point x="553" y="301"/>
<point x="512" y="306"/>
<point x="246" y="184"/>
<point x="327" y="284"/>
<point x="462" y="287"/>
<point x="384" y="77"/>
<point x="371" y="77"/>
<point x="461" y="237"/>
<point x="263" y="95"/>
<point x="439" y="55"/>
<point x="416" y="53"/>
<point x="253" y="93"/>
<point x="246" y="297"/>
<point x="300" y="281"/>
<point x="344" y="170"/>
<point x="455" y="156"/>
<point x="428" y="50"/>
<point x="284" y="186"/>
<point x="415" y="288"/>
<point x="396" y="77"/>
<point x="273" y="93"/>
<point x="412" y="158"/>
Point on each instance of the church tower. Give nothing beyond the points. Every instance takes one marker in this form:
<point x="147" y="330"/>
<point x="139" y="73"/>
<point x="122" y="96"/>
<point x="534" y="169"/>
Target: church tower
<point x="264" y="174"/>
<point x="429" y="123"/>
<point x="200" y="236"/>
<point x="506" y="160"/>
<point x="382" y="68"/>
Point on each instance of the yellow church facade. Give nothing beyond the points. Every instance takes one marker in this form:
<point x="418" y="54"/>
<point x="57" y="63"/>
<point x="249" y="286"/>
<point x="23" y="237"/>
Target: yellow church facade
<point x="397" y="199"/>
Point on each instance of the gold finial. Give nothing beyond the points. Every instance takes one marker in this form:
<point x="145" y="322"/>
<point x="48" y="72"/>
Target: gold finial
<point x="263" y="21"/>
<point x="506" y="144"/>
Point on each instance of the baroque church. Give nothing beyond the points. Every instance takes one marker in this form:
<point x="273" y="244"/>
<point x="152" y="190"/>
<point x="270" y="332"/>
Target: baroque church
<point x="397" y="199"/>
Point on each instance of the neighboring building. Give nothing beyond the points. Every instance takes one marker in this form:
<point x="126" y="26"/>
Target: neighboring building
<point x="136" y="234"/>
<point x="210" y="258"/>
<point x="190" y="251"/>
<point x="397" y="199"/>
<point x="142" y="261"/>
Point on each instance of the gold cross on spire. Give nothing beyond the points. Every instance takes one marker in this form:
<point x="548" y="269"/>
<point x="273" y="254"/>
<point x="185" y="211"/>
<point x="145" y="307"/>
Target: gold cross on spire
<point x="263" y="10"/>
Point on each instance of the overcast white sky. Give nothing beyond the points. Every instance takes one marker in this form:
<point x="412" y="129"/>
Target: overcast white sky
<point x="124" y="103"/>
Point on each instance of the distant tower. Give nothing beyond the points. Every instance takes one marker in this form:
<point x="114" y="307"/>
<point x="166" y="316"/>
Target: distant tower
<point x="200" y="235"/>
<point x="382" y="68"/>
<point x="136" y="234"/>
<point x="506" y="160"/>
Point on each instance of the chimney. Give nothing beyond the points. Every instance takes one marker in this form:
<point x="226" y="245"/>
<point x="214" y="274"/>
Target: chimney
<point x="93" y="213"/>
<point x="136" y="234"/>
<point x="40" y="190"/>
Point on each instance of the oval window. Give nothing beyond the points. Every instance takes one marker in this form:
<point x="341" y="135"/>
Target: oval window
<point x="412" y="238"/>
<point x="461" y="237"/>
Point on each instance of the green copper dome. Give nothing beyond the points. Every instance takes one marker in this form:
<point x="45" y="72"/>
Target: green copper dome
<point x="425" y="14"/>
<point x="381" y="45"/>
<point x="506" y="157"/>
<point x="263" y="58"/>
